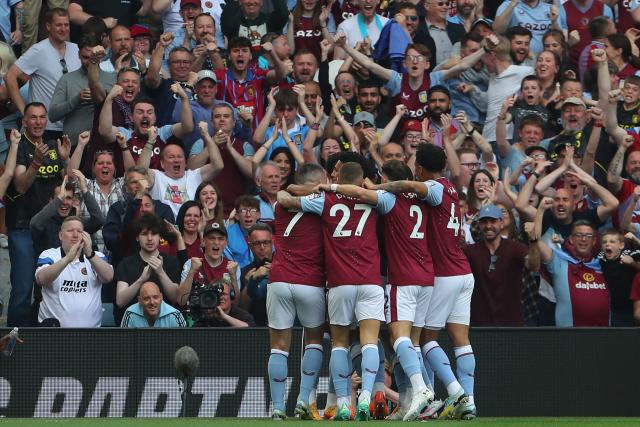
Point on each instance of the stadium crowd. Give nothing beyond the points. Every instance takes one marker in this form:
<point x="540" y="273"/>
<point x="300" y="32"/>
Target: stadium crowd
<point x="154" y="146"/>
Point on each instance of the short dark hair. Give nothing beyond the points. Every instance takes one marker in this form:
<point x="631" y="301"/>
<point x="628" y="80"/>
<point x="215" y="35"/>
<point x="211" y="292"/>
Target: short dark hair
<point x="179" y="49"/>
<point x="406" y="5"/>
<point x="431" y="157"/>
<point x="397" y="170"/>
<point x="95" y="26"/>
<point x="148" y="222"/>
<point x="422" y="50"/>
<point x="598" y="27"/>
<point x="142" y="100"/>
<point x="351" y="173"/>
<point x="350" y="156"/>
<point x="517" y="31"/>
<point x="239" y="42"/>
<point x="56" y="11"/>
<point x="369" y="83"/>
<point x="286" y="98"/>
<point x="259" y="226"/>
<point x="200" y="15"/>
<point x="34" y="104"/>
<point x="303" y="51"/>
<point x="531" y="78"/>
<point x="88" y="40"/>
<point x="474" y="37"/>
<point x="582" y="223"/>
<point x="531" y="120"/>
<point x="440" y="89"/>
<point x="248" y="201"/>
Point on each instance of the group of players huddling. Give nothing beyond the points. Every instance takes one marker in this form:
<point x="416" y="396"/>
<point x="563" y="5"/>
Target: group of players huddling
<point x="328" y="239"/>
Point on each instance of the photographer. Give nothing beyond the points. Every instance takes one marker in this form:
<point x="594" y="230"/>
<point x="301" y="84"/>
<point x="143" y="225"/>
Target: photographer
<point x="212" y="268"/>
<point x="225" y="314"/>
<point x="255" y="276"/>
<point x="147" y="265"/>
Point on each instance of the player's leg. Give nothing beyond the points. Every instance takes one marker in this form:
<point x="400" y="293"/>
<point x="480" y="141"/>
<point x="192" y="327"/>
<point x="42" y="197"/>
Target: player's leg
<point x="458" y="330"/>
<point x="309" y="303"/>
<point x="341" y="308"/>
<point x="369" y="311"/>
<point x="443" y="299"/>
<point x="281" y="315"/>
<point x="379" y="408"/>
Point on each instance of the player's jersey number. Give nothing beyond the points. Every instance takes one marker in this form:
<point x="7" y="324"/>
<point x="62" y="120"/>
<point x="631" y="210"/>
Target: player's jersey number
<point x="417" y="212"/>
<point x="292" y="223"/>
<point x="454" y="221"/>
<point x="340" y="230"/>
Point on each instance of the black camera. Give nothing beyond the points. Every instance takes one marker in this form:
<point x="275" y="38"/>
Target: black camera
<point x="204" y="297"/>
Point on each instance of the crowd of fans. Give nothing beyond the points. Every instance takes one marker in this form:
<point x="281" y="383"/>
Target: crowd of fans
<point x="145" y="143"/>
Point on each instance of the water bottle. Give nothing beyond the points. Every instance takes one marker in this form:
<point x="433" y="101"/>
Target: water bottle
<point x="11" y="345"/>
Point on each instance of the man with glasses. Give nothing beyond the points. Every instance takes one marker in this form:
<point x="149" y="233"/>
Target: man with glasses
<point x="444" y="33"/>
<point x="411" y="88"/>
<point x="247" y="214"/>
<point x="469" y="164"/>
<point x="497" y="266"/>
<point x="581" y="291"/>
<point x="43" y="65"/>
<point x="255" y="276"/>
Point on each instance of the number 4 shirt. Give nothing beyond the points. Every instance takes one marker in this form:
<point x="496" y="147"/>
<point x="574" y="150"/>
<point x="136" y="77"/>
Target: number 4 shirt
<point x="443" y="229"/>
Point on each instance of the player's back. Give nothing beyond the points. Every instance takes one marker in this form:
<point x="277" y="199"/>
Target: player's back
<point x="350" y="241"/>
<point x="443" y="232"/>
<point x="405" y="230"/>
<point x="299" y="254"/>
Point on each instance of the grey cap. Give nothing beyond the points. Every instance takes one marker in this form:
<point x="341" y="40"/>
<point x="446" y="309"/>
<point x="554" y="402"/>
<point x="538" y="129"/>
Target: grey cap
<point x="206" y="74"/>
<point x="364" y="116"/>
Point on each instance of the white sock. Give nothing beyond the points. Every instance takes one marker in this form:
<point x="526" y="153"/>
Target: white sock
<point x="343" y="400"/>
<point x="365" y="395"/>
<point x="453" y="388"/>
<point x="331" y="399"/>
<point x="407" y="398"/>
<point x="417" y="383"/>
<point x="471" y="401"/>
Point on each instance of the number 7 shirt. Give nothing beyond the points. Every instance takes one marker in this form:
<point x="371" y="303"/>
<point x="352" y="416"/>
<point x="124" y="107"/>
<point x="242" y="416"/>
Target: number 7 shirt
<point x="350" y="236"/>
<point x="443" y="229"/>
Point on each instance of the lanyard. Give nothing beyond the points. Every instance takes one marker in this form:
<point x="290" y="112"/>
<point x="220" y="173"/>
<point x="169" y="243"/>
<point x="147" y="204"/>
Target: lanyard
<point x="363" y="27"/>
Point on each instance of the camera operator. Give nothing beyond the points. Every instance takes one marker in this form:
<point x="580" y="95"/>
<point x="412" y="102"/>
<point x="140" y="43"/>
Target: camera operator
<point x="255" y="276"/>
<point x="212" y="268"/>
<point x="225" y="314"/>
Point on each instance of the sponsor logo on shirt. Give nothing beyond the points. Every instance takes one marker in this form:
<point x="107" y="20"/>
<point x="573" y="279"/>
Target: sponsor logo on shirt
<point x="588" y="286"/>
<point x="72" y="286"/>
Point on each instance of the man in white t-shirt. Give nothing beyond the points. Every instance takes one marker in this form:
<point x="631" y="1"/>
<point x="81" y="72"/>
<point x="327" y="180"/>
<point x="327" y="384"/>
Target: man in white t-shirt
<point x="365" y="24"/>
<point x="71" y="277"/>
<point x="504" y="81"/>
<point x="43" y="65"/>
<point x="177" y="185"/>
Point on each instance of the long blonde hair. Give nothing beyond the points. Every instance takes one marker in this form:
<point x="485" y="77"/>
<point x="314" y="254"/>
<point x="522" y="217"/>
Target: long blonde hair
<point x="7" y="58"/>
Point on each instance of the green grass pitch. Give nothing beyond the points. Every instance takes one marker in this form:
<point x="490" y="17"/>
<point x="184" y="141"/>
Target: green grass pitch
<point x="240" y="422"/>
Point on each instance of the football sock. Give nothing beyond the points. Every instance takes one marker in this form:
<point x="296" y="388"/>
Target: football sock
<point x="311" y="364"/>
<point x="465" y="368"/>
<point x="425" y="369"/>
<point x="340" y="371"/>
<point x="370" y="361"/>
<point x="410" y="364"/>
<point x="378" y="385"/>
<point x="277" y="369"/>
<point x="401" y="380"/>
<point x="355" y="358"/>
<point x="439" y="362"/>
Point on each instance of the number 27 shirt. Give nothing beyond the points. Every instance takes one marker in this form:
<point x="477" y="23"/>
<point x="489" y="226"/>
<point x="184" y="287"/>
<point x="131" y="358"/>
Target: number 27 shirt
<point x="350" y="236"/>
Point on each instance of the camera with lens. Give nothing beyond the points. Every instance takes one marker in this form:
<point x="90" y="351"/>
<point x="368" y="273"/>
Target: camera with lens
<point x="204" y="298"/>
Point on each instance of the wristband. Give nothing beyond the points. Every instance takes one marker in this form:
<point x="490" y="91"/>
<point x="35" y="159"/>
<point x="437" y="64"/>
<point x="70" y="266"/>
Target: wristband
<point x="315" y="126"/>
<point x="91" y="255"/>
<point x="334" y="188"/>
<point x="536" y="174"/>
<point x="124" y="147"/>
<point x="486" y="49"/>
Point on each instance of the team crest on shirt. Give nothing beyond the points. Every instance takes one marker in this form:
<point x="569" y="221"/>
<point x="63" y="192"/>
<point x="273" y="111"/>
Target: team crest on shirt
<point x="208" y="4"/>
<point x="584" y="21"/>
<point x="83" y="271"/>
<point x="251" y="92"/>
<point x="53" y="155"/>
<point x="297" y="139"/>
<point x="422" y="96"/>
<point x="634" y="119"/>
<point x="588" y="277"/>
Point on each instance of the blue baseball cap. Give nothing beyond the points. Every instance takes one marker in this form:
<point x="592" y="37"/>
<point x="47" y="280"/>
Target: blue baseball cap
<point x="490" y="211"/>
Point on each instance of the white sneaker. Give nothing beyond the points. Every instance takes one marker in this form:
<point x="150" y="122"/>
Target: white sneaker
<point x="465" y="411"/>
<point x="418" y="403"/>
<point x="431" y="411"/>
<point x="4" y="241"/>
<point x="397" y="414"/>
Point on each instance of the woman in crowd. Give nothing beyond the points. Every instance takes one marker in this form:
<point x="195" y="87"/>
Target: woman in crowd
<point x="208" y="194"/>
<point x="309" y="23"/>
<point x="547" y="69"/>
<point x="618" y="48"/>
